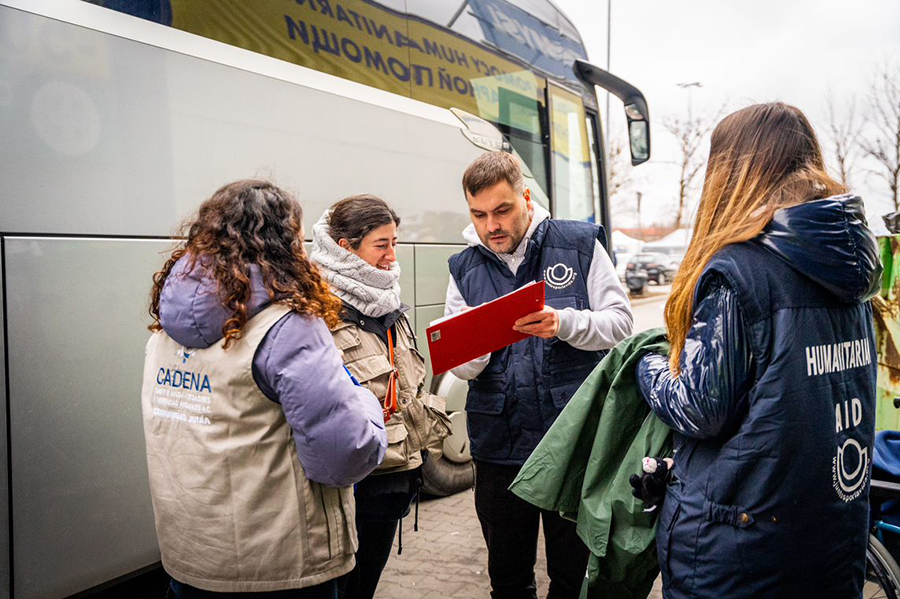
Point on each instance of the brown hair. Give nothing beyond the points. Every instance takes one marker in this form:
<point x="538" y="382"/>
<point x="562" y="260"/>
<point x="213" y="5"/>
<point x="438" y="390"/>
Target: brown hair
<point x="355" y="217"/>
<point x="492" y="168"/>
<point x="244" y="223"/>
<point x="762" y="158"/>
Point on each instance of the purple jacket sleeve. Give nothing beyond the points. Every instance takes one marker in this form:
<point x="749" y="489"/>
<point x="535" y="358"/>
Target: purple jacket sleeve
<point x="338" y="426"/>
<point x="710" y="393"/>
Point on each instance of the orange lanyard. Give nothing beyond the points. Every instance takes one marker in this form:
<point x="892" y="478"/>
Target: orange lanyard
<point x="391" y="405"/>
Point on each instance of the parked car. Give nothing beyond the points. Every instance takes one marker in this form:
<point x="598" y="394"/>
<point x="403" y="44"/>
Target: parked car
<point x="675" y="261"/>
<point x="622" y="259"/>
<point x="658" y="267"/>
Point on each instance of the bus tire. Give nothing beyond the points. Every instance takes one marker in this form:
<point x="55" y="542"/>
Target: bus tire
<point x="442" y="477"/>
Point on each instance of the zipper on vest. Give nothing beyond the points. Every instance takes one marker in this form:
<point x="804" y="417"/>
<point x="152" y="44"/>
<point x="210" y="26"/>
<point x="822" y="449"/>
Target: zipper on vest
<point x="328" y="522"/>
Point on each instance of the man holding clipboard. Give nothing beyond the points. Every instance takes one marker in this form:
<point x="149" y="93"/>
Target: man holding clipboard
<point x="516" y="393"/>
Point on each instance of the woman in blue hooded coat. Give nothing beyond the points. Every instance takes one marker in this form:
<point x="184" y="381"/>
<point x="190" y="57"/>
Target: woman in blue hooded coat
<point x="770" y="385"/>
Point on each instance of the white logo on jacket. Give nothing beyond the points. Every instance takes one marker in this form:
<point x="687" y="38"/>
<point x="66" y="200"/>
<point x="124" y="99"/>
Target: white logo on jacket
<point x="850" y="465"/>
<point x="559" y="276"/>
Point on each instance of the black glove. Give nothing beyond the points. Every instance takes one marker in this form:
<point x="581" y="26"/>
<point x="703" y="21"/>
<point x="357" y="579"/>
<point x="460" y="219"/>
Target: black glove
<point x="650" y="485"/>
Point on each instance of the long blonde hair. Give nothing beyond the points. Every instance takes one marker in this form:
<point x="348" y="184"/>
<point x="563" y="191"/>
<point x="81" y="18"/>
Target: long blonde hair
<point x="762" y="158"/>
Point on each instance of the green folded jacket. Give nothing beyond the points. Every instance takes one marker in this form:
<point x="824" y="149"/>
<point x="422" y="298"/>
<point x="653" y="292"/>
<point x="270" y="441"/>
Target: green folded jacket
<point x="582" y="466"/>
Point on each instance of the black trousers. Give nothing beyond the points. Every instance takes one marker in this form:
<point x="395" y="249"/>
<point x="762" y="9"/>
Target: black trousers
<point x="510" y="527"/>
<point x="382" y="500"/>
<point x="376" y="538"/>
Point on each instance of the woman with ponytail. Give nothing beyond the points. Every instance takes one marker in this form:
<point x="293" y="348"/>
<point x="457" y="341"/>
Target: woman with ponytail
<point x="354" y="246"/>
<point x="770" y="383"/>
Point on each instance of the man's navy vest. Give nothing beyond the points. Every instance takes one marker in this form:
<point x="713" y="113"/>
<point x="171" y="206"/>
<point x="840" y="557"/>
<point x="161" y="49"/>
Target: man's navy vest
<point x="525" y="386"/>
<point x="779" y="506"/>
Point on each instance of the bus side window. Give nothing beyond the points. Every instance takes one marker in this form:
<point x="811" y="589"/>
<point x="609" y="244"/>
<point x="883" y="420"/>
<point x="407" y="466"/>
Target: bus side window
<point x="598" y="174"/>
<point x="573" y="194"/>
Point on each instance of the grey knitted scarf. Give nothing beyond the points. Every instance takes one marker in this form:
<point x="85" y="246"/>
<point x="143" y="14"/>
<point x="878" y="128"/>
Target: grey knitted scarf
<point x="372" y="291"/>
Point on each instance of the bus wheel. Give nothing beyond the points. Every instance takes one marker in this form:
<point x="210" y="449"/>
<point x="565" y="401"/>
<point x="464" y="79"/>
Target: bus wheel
<point x="442" y="477"/>
<point x="453" y="471"/>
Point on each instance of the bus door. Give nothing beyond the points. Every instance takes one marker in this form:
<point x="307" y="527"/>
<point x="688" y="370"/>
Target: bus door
<point x="571" y="167"/>
<point x="599" y="174"/>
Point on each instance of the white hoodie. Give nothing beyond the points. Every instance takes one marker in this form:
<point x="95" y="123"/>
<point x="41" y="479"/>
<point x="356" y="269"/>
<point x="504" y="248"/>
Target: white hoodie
<point x="607" y="321"/>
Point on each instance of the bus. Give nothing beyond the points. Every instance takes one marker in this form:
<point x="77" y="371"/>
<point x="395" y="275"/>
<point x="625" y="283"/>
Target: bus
<point x="117" y="117"/>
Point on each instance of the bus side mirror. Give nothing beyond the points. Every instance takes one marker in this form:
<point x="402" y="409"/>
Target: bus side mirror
<point x="638" y="135"/>
<point x="635" y="107"/>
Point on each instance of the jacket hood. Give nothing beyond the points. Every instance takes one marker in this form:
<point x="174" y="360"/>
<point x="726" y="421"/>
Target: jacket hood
<point x="830" y="242"/>
<point x="190" y="310"/>
<point x="540" y="215"/>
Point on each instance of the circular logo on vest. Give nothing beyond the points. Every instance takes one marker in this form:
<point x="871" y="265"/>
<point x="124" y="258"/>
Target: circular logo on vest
<point x="850" y="485"/>
<point x="559" y="276"/>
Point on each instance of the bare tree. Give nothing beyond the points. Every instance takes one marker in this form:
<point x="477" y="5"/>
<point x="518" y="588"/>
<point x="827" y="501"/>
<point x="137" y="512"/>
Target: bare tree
<point x="618" y="177"/>
<point x="844" y="136"/>
<point x="880" y="140"/>
<point x="618" y="166"/>
<point x="691" y="132"/>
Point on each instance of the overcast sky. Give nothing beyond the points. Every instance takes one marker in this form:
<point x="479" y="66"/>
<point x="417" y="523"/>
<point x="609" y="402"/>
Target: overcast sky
<point x="742" y="53"/>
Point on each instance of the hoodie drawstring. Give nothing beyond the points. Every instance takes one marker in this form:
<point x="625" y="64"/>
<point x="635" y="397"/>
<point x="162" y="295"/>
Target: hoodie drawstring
<point x="418" y="482"/>
<point x="416" y="522"/>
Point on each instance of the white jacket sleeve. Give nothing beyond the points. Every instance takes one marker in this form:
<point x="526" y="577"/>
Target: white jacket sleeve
<point x="609" y="318"/>
<point x="455" y="304"/>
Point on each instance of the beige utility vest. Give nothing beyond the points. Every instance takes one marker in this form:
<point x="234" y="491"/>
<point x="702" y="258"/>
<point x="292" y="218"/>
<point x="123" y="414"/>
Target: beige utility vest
<point x="234" y="509"/>
<point x="421" y="423"/>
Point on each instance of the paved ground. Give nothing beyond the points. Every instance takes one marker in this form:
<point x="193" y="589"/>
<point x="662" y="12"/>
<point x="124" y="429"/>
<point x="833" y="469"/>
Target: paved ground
<point x="648" y="309"/>
<point x="447" y="557"/>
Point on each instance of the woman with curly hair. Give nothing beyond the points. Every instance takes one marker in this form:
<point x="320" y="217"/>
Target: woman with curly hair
<point x="255" y="432"/>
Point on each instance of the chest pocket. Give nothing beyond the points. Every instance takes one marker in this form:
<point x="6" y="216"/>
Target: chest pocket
<point x="565" y="366"/>
<point x="346" y="338"/>
<point x="363" y="359"/>
<point x="561" y="303"/>
<point x="369" y="368"/>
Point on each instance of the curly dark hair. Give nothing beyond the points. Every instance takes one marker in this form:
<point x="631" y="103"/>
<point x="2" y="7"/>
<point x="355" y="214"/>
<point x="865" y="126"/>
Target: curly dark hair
<point x="244" y="223"/>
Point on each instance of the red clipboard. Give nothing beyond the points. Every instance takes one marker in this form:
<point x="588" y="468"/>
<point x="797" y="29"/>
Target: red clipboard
<point x="456" y="339"/>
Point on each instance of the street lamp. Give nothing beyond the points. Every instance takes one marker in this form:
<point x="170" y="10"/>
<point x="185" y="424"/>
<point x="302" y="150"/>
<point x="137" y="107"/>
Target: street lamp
<point x="688" y="87"/>
<point x="608" y="50"/>
<point x="639" y="196"/>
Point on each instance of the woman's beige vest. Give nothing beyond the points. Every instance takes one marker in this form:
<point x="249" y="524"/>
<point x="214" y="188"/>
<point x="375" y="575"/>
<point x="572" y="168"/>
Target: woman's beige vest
<point x="422" y="422"/>
<point x="234" y="509"/>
